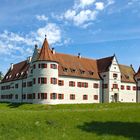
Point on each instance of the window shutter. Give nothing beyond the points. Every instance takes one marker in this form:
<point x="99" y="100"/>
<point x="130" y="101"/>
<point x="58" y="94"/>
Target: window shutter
<point x="45" y="80"/>
<point x="45" y="95"/>
<point x="38" y="65"/>
<point x="51" y="96"/>
<point x="51" y="66"/>
<point x="62" y="96"/>
<point x="51" y="80"/>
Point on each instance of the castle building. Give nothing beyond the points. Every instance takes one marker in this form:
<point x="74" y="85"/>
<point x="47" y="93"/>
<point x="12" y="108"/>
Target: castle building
<point x="49" y="77"/>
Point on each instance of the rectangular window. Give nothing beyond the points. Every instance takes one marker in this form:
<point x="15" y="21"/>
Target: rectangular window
<point x="53" y="66"/>
<point x="42" y="65"/>
<point x="16" y="85"/>
<point x="60" y="96"/>
<point x="95" y="97"/>
<point x="105" y="86"/>
<point x="42" y="80"/>
<point x="115" y="86"/>
<point x="72" y="96"/>
<point x="122" y="87"/>
<point x="34" y="66"/>
<point x="42" y="95"/>
<point x="128" y="87"/>
<point x="54" y="81"/>
<point x="85" y="85"/>
<point x="85" y="97"/>
<point x="79" y="84"/>
<point x="134" y="87"/>
<point x="53" y="96"/>
<point x="29" y="96"/>
<point x="33" y="95"/>
<point x="71" y="83"/>
<point x="34" y="80"/>
<point x="95" y="85"/>
<point x="61" y="82"/>
<point x="29" y="84"/>
<point x="16" y="96"/>
<point x="115" y="75"/>
<point x="24" y="96"/>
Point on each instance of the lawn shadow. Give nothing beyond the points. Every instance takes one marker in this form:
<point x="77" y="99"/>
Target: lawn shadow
<point x="125" y="129"/>
<point x="15" y="105"/>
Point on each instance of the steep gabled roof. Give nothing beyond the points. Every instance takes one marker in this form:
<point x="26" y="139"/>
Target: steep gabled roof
<point x="137" y="75"/>
<point x="45" y="52"/>
<point x="127" y="74"/>
<point x="104" y="64"/>
<point x="19" y="71"/>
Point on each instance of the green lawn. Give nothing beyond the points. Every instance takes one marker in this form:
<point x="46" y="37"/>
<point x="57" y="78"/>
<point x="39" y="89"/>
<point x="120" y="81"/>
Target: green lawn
<point x="70" y="122"/>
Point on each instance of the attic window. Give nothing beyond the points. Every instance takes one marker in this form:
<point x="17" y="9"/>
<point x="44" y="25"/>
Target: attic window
<point x="126" y="76"/>
<point x="10" y="76"/>
<point x="82" y="71"/>
<point x="7" y="77"/>
<point x="91" y="72"/>
<point x="72" y="70"/>
<point x="17" y="74"/>
<point x="65" y="69"/>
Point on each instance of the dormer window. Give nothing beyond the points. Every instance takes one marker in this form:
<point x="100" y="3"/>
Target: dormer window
<point x="22" y="73"/>
<point x="82" y="71"/>
<point x="17" y="74"/>
<point x="115" y="75"/>
<point x="65" y="69"/>
<point x="72" y="70"/>
<point x="91" y="72"/>
<point x="7" y="77"/>
<point x="10" y="76"/>
<point x="127" y="76"/>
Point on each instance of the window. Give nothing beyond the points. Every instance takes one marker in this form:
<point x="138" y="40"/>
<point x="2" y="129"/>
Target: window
<point x="29" y="96"/>
<point x="29" y="84"/>
<point x="138" y="88"/>
<point x="95" y="85"/>
<point x="72" y="70"/>
<point x="82" y="71"/>
<point x="61" y="82"/>
<point x="42" y="95"/>
<point x="128" y="87"/>
<point x="85" y="97"/>
<point x="127" y="76"/>
<point x="24" y="96"/>
<point x="134" y="87"/>
<point x="54" y="81"/>
<point x="95" y="97"/>
<point x="16" y="85"/>
<point x="115" y="86"/>
<point x="122" y="87"/>
<point x="53" y="66"/>
<point x="105" y="85"/>
<point x="60" y="96"/>
<point x="71" y="83"/>
<point x="91" y="72"/>
<point x="24" y="84"/>
<point x="53" y="96"/>
<point x="72" y="96"/>
<point x="42" y="65"/>
<point x="115" y="75"/>
<point x="79" y="84"/>
<point x="85" y="85"/>
<point x="42" y="80"/>
<point x="65" y="69"/>
<point x="33" y="95"/>
<point x="34" y="80"/>
<point x="16" y="96"/>
<point x="34" y="66"/>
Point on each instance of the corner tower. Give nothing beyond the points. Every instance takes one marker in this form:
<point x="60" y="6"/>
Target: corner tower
<point x="45" y="76"/>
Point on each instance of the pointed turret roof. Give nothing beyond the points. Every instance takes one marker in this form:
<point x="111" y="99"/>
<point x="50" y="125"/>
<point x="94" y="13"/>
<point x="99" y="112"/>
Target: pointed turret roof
<point x="45" y="52"/>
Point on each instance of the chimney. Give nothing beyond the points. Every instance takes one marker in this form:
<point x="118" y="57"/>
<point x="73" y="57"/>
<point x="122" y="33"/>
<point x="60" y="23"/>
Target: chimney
<point x="79" y="55"/>
<point x="12" y="65"/>
<point x="131" y="66"/>
<point x="53" y="50"/>
<point x="29" y="59"/>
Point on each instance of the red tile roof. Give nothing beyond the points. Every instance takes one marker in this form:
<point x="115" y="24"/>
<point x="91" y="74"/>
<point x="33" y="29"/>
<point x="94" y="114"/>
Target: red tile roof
<point x="19" y="71"/>
<point x="127" y="74"/>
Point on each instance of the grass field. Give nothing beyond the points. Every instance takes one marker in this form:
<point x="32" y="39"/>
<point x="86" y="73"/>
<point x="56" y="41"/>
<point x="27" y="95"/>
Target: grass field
<point x="70" y="122"/>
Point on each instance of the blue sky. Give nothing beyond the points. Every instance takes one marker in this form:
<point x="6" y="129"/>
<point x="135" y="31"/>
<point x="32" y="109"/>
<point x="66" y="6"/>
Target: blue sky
<point x="95" y="28"/>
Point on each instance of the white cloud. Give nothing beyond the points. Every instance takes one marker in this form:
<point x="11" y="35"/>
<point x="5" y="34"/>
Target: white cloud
<point x="52" y="31"/>
<point x="41" y="17"/>
<point x="84" y="3"/>
<point x="110" y="2"/>
<point x="99" y="5"/>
